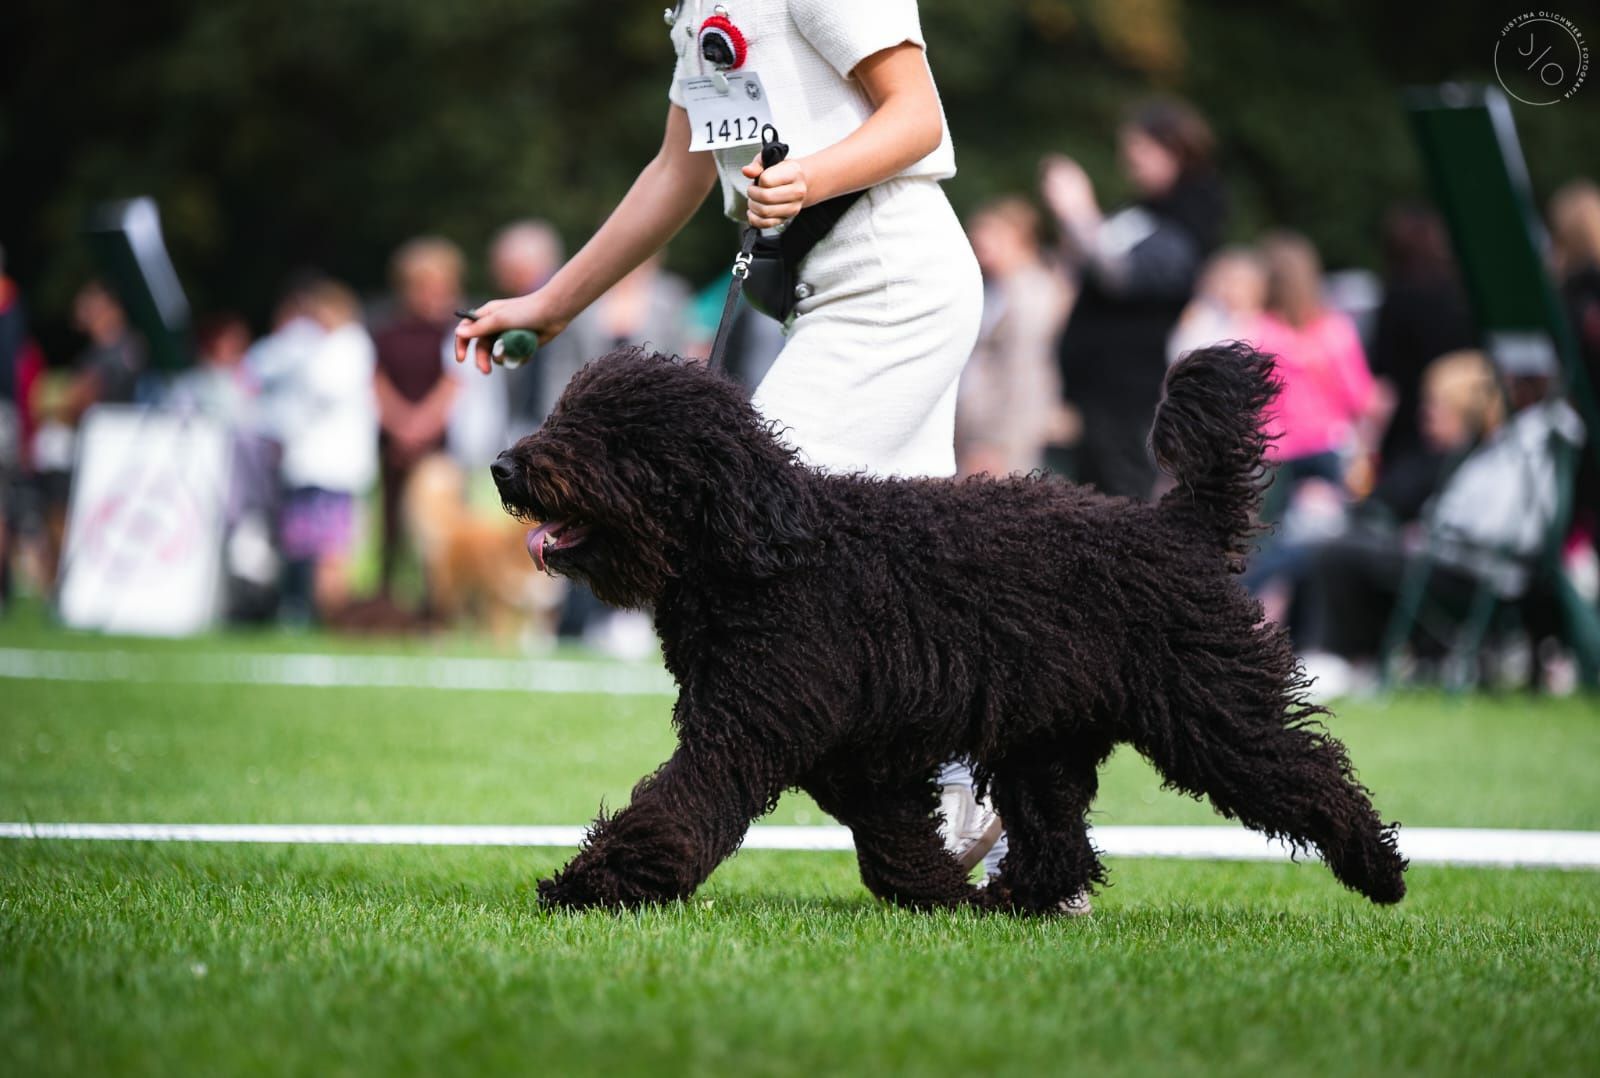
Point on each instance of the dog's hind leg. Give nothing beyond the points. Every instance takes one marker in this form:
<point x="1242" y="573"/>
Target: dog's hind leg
<point x="1243" y="739"/>
<point x="902" y="857"/>
<point x="1044" y="799"/>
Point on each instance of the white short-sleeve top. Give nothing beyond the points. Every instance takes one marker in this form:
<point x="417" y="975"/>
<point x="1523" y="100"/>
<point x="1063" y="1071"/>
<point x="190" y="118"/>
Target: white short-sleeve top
<point x="804" y="51"/>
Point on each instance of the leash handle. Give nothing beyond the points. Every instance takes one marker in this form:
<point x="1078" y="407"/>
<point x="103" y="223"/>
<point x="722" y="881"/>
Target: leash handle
<point x="772" y="152"/>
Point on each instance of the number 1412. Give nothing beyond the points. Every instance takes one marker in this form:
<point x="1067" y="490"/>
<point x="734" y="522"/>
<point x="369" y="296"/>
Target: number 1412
<point x="731" y="130"/>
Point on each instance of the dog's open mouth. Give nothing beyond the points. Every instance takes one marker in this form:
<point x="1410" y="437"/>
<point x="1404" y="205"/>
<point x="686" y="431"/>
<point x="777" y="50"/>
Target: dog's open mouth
<point x="551" y="537"/>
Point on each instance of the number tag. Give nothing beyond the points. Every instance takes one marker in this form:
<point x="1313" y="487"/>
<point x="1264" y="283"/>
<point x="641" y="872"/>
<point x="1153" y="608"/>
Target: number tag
<point x="723" y="118"/>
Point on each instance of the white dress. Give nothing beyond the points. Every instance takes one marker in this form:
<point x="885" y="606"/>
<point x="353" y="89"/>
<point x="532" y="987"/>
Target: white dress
<point x="867" y="380"/>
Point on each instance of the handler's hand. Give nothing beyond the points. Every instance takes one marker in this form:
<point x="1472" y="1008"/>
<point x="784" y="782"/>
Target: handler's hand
<point x="1067" y="189"/>
<point x="778" y="194"/>
<point x="498" y="315"/>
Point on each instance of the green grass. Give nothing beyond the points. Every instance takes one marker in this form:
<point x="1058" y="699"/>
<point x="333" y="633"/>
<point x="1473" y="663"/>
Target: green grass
<point x="155" y="959"/>
<point x="294" y="960"/>
<point x="250" y="754"/>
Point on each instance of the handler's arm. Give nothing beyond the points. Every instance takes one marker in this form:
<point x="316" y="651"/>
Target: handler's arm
<point x="660" y="202"/>
<point x="906" y="125"/>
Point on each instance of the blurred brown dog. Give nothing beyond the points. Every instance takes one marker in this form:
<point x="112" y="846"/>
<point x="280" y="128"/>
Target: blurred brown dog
<point x="477" y="566"/>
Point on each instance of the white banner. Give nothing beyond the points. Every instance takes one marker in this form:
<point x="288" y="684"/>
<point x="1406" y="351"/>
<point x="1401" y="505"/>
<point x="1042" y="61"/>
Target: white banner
<point x="144" y="535"/>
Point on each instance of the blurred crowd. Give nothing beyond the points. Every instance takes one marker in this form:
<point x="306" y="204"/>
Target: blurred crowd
<point x="1397" y="437"/>
<point x="1421" y="486"/>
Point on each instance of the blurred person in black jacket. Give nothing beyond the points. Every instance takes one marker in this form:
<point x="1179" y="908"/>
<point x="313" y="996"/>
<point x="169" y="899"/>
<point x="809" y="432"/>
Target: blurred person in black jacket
<point x="1424" y="315"/>
<point x="1138" y="267"/>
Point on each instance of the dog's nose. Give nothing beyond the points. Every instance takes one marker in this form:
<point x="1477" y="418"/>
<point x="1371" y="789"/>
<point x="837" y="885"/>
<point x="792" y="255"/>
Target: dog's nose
<point x="502" y="469"/>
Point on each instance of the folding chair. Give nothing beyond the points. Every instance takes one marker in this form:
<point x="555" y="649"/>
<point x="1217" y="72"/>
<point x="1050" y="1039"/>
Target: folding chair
<point x="1465" y="631"/>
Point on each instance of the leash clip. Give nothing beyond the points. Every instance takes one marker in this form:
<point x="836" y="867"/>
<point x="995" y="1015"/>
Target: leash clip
<point x="741" y="265"/>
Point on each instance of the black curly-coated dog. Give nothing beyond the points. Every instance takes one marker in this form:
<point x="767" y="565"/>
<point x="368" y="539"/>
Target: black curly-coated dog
<point x="848" y="635"/>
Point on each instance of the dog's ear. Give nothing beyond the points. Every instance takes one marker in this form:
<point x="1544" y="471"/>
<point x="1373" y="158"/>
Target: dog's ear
<point x="759" y="513"/>
<point x="765" y="531"/>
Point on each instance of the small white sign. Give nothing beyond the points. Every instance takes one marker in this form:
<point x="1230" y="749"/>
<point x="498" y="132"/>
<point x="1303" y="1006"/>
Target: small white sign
<point x="144" y="533"/>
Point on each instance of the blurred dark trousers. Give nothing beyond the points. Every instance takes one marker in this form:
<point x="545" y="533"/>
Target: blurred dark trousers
<point x="1113" y="456"/>
<point x="1348" y="591"/>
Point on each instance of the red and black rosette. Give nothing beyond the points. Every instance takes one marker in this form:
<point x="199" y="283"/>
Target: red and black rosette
<point x="723" y="44"/>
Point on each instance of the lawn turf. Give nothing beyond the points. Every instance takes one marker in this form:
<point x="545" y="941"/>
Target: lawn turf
<point x="282" y="960"/>
<point x="144" y="959"/>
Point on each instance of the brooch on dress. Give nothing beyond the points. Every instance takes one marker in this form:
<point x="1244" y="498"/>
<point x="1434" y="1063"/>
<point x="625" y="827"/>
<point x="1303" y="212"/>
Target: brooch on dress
<point x="723" y="44"/>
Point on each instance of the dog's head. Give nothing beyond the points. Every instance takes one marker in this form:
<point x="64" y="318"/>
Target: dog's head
<point x="650" y="468"/>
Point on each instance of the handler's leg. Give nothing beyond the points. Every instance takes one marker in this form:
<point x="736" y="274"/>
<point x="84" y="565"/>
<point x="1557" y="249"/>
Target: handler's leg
<point x="970" y="827"/>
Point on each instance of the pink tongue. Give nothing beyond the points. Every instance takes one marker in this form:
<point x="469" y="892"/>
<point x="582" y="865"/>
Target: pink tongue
<point x="536" y="543"/>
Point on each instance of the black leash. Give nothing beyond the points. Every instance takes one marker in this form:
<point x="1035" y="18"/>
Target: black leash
<point x="772" y="151"/>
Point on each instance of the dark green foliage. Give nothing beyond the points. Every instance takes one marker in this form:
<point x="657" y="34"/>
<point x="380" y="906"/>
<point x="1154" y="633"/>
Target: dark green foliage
<point x="324" y="132"/>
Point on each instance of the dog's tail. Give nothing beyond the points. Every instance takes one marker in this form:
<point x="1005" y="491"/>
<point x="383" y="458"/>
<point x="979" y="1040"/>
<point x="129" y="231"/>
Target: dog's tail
<point x="1208" y="436"/>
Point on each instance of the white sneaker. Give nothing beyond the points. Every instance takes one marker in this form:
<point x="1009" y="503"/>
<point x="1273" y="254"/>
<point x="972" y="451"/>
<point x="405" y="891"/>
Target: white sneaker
<point x="1076" y="906"/>
<point x="970" y="826"/>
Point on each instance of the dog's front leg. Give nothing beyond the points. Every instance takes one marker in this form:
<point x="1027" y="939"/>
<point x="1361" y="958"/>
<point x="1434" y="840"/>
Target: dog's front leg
<point x="683" y="821"/>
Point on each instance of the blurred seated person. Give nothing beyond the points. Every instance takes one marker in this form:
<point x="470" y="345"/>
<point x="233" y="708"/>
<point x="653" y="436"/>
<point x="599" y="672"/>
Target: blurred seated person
<point x="1009" y="404"/>
<point x="1486" y="528"/>
<point x="110" y="366"/>
<point x="415" y="394"/>
<point x="1229" y="300"/>
<point x="1461" y="405"/>
<point x="218" y="386"/>
<point x="1330" y="406"/>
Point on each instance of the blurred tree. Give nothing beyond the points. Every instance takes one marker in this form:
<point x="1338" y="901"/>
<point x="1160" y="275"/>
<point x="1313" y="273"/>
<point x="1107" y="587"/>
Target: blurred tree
<point x="325" y="132"/>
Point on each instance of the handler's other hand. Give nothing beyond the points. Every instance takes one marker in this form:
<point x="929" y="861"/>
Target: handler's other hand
<point x="778" y="194"/>
<point x="1067" y="189"/>
<point x="498" y="315"/>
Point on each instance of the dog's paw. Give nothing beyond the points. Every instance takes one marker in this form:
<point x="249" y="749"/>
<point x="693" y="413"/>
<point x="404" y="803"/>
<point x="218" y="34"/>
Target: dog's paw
<point x="553" y="895"/>
<point x="568" y="890"/>
<point x="591" y="885"/>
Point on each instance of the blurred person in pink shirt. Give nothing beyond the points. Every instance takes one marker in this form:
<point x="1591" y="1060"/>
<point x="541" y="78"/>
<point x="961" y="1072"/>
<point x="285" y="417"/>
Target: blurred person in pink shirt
<point x="1331" y="406"/>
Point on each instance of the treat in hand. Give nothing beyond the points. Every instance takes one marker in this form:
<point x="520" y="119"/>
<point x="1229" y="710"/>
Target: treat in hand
<point x="512" y="348"/>
<point x="515" y="347"/>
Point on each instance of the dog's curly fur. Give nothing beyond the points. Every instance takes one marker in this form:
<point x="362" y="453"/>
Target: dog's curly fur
<point x="847" y="635"/>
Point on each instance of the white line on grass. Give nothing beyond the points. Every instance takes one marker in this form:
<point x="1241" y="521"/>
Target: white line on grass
<point x="341" y="671"/>
<point x="1424" y="845"/>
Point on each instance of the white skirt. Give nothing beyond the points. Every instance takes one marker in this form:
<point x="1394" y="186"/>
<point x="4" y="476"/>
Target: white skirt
<point x="867" y="380"/>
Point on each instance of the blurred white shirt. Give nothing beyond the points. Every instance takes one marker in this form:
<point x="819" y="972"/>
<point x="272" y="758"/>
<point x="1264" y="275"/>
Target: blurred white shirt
<point x="331" y="440"/>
